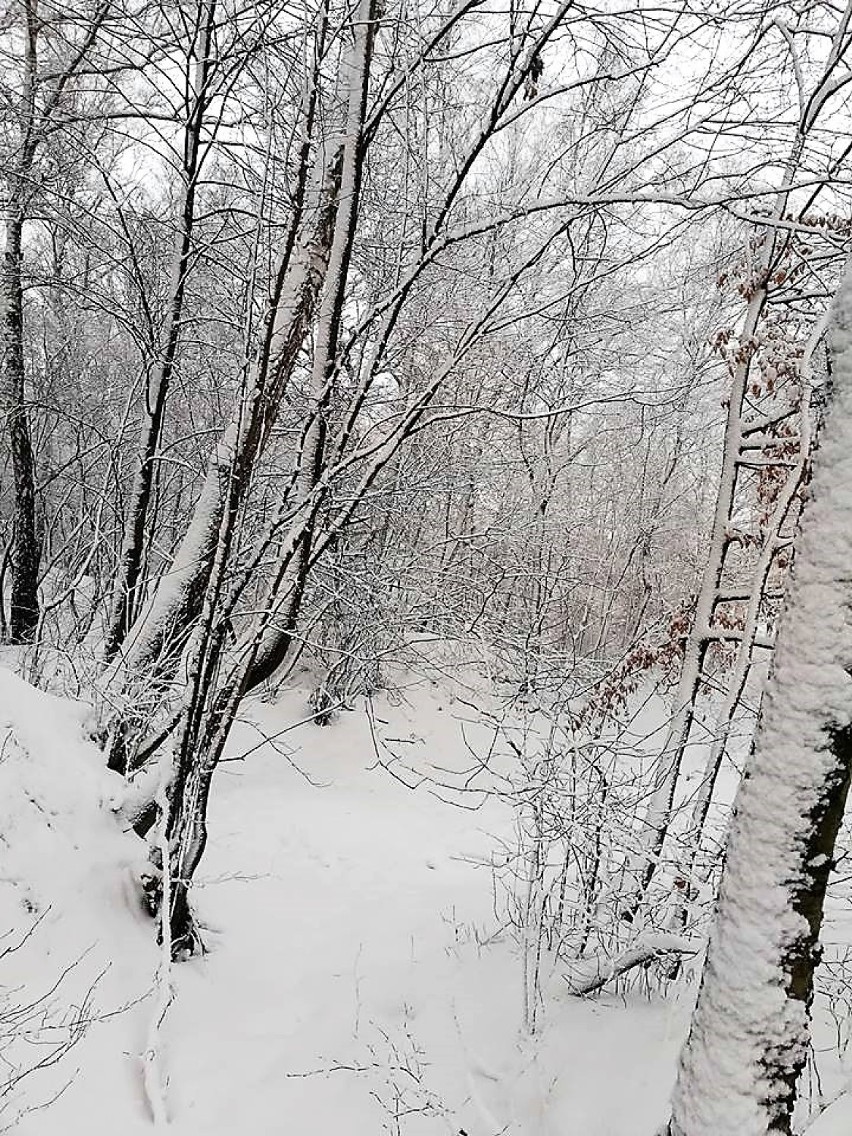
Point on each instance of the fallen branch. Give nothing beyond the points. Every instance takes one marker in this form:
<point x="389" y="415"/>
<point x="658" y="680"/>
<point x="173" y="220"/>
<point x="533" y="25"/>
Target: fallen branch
<point x="589" y="975"/>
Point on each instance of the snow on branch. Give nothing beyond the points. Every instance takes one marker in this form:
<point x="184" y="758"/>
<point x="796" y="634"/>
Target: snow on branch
<point x="587" y="976"/>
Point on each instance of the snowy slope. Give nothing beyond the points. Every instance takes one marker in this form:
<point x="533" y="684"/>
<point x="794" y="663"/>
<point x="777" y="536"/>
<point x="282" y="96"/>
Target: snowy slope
<point x="77" y="949"/>
<point x="357" y="980"/>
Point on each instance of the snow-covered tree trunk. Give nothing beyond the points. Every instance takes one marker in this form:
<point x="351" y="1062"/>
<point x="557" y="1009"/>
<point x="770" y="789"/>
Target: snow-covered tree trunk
<point x="136" y="535"/>
<point x="209" y="708"/>
<point x="162" y="626"/>
<point x="747" y="1045"/>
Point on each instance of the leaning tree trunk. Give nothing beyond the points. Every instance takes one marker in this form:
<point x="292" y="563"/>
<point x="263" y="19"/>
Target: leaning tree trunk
<point x="26" y="552"/>
<point x="747" y="1046"/>
<point x="210" y="706"/>
<point x="161" y="629"/>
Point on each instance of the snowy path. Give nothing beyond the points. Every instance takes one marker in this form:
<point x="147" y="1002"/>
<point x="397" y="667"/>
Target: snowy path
<point x="342" y="927"/>
<point x="351" y="941"/>
<point x="346" y="989"/>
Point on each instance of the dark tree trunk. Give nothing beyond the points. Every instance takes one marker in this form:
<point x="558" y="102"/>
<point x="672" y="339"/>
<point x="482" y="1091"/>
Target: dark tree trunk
<point x="26" y="549"/>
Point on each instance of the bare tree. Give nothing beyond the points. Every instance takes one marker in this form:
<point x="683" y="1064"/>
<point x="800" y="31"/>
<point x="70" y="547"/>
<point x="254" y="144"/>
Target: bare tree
<point x="750" y="436"/>
<point x="200" y="89"/>
<point x="748" y="1043"/>
<point x="36" y="107"/>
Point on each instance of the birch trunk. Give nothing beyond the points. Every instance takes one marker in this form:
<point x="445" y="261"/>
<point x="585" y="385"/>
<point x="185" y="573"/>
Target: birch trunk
<point x="287" y="593"/>
<point x="747" y="1046"/>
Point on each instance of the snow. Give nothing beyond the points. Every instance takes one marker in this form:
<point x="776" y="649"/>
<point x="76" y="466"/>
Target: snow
<point x="83" y="949"/>
<point x="356" y="978"/>
<point x="836" y="1120"/>
<point x="55" y="826"/>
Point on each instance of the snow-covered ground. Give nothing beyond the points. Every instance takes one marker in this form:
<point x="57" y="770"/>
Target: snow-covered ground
<point x="357" y="979"/>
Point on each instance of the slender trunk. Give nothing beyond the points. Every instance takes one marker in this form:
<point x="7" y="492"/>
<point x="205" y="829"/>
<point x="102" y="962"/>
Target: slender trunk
<point x="783" y="518"/>
<point x="274" y="646"/>
<point x="659" y="812"/>
<point x="212" y="699"/>
<point x="126" y="594"/>
<point x="161" y="629"/>
<point x="749" y="1036"/>
<point x="26" y="551"/>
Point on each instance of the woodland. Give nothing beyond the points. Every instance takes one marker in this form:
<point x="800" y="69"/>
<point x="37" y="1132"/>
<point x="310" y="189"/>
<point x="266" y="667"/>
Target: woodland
<point x="462" y="392"/>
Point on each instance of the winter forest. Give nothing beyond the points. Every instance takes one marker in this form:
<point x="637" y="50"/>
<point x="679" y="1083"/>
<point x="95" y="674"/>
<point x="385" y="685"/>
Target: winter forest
<point x="425" y="567"/>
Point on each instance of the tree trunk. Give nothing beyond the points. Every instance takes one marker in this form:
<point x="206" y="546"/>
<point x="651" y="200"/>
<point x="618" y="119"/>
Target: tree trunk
<point x="26" y="551"/>
<point x="747" y="1045"/>
<point x="126" y="592"/>
<point x="161" y="629"/>
<point x="211" y="700"/>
